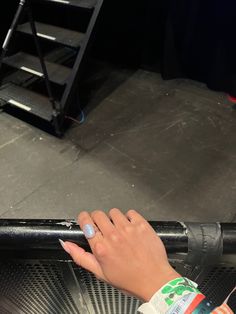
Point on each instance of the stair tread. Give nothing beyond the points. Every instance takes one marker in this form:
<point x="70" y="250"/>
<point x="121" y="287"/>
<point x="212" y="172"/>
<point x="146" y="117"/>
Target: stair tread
<point x="54" y="33"/>
<point x="88" y="4"/>
<point x="27" y="100"/>
<point x="57" y="73"/>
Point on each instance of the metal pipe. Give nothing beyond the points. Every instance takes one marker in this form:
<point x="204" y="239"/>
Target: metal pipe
<point x="44" y="234"/>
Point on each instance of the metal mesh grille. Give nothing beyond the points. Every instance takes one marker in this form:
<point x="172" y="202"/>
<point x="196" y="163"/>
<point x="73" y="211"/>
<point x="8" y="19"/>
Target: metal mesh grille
<point x="106" y="299"/>
<point x="4" y="311"/>
<point x="217" y="283"/>
<point x="34" y="288"/>
<point x="48" y="287"/>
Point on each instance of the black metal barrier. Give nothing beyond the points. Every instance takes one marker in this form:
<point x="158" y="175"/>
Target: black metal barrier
<point x="37" y="276"/>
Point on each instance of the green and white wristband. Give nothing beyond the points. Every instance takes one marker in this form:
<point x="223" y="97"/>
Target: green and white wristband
<point x="169" y="294"/>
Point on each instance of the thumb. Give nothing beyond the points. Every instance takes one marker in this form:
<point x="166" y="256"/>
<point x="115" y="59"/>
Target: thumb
<point x="84" y="259"/>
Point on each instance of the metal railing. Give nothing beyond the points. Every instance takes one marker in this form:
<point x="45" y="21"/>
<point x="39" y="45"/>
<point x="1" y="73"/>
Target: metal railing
<point x="37" y="276"/>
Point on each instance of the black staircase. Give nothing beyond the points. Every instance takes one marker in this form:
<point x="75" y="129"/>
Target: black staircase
<point x="44" y="83"/>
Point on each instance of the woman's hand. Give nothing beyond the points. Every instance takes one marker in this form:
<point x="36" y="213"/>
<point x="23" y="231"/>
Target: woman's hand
<point x="126" y="253"/>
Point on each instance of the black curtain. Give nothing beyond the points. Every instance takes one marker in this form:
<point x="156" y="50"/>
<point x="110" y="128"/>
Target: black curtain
<point x="131" y="32"/>
<point x="179" y="38"/>
<point x="200" y="42"/>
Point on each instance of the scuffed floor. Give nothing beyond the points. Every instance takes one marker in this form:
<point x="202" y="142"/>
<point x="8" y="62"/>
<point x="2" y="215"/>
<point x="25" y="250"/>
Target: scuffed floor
<point x="166" y="148"/>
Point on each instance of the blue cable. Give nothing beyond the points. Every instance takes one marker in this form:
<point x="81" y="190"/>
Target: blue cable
<point x="83" y="117"/>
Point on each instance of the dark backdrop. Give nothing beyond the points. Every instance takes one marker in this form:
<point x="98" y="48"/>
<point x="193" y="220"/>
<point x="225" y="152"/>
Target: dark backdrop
<point x="180" y="38"/>
<point x="200" y="41"/>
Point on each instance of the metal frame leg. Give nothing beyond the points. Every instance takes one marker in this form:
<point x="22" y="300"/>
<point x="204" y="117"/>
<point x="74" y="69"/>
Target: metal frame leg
<point x="56" y="111"/>
<point x="12" y="30"/>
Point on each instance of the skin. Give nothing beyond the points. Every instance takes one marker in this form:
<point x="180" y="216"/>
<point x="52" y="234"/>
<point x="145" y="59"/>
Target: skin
<point x="126" y="253"/>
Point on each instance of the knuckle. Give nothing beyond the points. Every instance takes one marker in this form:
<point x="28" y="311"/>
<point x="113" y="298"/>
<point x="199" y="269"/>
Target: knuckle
<point x="143" y="226"/>
<point x="96" y="213"/>
<point x="82" y="214"/>
<point x="99" y="249"/>
<point x="128" y="229"/>
<point x="131" y="212"/>
<point x="113" y="210"/>
<point x="82" y="217"/>
<point x="77" y="260"/>
<point x="114" y="236"/>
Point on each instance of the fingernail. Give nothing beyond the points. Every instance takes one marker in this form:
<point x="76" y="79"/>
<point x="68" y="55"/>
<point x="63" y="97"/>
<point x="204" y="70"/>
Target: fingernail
<point x="64" y="246"/>
<point x="89" y="231"/>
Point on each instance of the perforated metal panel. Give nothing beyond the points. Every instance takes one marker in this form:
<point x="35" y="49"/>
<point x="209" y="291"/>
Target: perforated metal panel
<point x="217" y="282"/>
<point x="35" y="287"/>
<point x="106" y="299"/>
<point x="41" y="287"/>
<point x="49" y="287"/>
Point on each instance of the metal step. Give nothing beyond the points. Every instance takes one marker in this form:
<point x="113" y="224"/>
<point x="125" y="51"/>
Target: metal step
<point x="87" y="4"/>
<point x="27" y="100"/>
<point x="57" y="73"/>
<point x="53" y="33"/>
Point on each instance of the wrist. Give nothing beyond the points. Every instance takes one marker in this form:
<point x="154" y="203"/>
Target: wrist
<point x="156" y="283"/>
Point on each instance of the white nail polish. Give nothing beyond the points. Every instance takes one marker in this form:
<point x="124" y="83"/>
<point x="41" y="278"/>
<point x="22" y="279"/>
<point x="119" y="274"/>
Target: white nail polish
<point x="64" y="246"/>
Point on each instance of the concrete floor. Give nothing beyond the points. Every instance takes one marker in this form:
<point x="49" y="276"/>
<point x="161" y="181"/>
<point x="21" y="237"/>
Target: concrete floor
<point x="166" y="148"/>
